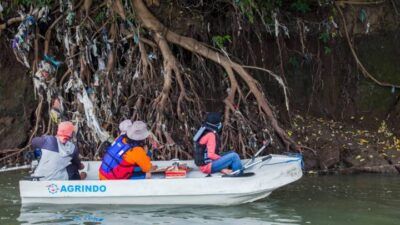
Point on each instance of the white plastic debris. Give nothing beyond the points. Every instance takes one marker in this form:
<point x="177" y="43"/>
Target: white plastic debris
<point x="91" y="118"/>
<point x="136" y="75"/>
<point x="101" y="63"/>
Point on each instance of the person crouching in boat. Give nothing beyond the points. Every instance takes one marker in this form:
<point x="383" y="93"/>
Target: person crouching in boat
<point x="59" y="156"/>
<point x="207" y="146"/>
<point x="127" y="158"/>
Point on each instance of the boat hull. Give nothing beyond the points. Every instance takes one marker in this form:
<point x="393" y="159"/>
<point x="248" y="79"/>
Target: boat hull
<point x="196" y="189"/>
<point x="233" y="199"/>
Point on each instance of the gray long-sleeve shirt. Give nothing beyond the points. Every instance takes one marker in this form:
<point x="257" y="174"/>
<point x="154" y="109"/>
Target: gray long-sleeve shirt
<point x="58" y="161"/>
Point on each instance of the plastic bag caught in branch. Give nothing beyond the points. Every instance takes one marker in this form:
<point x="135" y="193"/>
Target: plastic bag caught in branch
<point x="57" y="109"/>
<point x="104" y="34"/>
<point x="1" y="11"/>
<point x="43" y="15"/>
<point x="70" y="18"/>
<point x="46" y="68"/>
<point x="91" y="117"/>
<point x="43" y="79"/>
<point x="21" y="43"/>
<point x="56" y="64"/>
<point x="278" y="25"/>
<point x="38" y="83"/>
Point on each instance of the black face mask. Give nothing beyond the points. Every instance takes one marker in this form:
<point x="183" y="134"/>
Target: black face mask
<point x="217" y="127"/>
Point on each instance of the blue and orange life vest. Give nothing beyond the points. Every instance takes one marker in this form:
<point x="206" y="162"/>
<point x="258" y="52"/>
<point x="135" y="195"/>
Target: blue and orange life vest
<point x="113" y="165"/>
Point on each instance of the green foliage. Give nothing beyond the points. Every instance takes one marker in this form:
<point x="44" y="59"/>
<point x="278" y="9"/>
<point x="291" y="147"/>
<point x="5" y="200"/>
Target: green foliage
<point x="294" y="62"/>
<point x="301" y="6"/>
<point x="252" y="8"/>
<point x="101" y="16"/>
<point x="270" y="5"/>
<point x="327" y="50"/>
<point x="246" y="7"/>
<point x="324" y="37"/>
<point x="219" y="41"/>
<point x="130" y="16"/>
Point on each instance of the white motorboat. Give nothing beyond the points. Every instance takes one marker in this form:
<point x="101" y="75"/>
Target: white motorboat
<point x="195" y="189"/>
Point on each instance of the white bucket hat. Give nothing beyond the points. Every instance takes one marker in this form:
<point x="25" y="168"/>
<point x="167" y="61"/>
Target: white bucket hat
<point x="138" y="131"/>
<point x="124" y="126"/>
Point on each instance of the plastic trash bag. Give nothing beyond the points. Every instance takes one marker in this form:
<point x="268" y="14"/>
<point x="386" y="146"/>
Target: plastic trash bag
<point x="55" y="116"/>
<point x="1" y="12"/>
<point x="21" y="43"/>
<point x="45" y="69"/>
<point x="52" y="61"/>
<point x="91" y="118"/>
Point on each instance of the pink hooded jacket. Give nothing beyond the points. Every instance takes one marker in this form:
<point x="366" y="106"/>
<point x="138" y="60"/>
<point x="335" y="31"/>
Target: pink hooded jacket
<point x="210" y="141"/>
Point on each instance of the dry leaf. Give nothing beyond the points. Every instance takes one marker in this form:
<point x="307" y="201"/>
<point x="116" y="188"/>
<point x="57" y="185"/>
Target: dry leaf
<point x="363" y="141"/>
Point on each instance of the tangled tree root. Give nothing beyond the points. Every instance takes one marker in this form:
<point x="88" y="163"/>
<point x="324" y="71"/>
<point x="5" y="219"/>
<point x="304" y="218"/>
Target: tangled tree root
<point x="120" y="68"/>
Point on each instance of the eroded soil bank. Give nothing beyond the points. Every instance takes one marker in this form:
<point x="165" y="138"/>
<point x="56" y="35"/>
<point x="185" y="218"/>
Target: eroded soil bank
<point x="339" y="147"/>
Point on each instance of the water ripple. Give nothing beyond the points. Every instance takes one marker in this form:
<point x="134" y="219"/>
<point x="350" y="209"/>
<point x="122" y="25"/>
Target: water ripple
<point x="355" y="200"/>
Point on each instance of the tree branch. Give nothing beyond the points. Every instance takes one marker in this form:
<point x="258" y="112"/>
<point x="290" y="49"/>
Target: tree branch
<point x="360" y="65"/>
<point x="192" y="45"/>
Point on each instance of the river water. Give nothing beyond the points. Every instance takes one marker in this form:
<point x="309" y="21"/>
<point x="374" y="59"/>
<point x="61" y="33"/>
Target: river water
<point x="339" y="200"/>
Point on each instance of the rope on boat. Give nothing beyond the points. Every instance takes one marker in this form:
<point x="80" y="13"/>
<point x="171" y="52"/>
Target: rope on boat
<point x="298" y="157"/>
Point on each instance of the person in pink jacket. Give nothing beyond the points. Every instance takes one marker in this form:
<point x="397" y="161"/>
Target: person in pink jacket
<point x="208" y="146"/>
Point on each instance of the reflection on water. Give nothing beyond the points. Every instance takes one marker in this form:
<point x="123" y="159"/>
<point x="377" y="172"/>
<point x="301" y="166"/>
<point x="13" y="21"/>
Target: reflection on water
<point x="247" y="214"/>
<point x="355" y="200"/>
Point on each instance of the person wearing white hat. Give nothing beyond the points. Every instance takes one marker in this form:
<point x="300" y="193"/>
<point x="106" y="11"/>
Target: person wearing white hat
<point x="124" y="126"/>
<point x="127" y="158"/>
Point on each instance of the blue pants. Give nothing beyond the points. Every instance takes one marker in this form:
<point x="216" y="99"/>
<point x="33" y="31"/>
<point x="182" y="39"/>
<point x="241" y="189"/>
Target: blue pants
<point x="138" y="174"/>
<point x="231" y="160"/>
